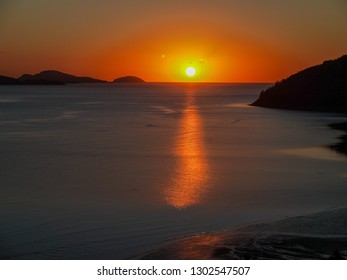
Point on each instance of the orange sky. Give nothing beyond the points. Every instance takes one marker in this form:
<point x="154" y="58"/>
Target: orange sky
<point x="225" y="40"/>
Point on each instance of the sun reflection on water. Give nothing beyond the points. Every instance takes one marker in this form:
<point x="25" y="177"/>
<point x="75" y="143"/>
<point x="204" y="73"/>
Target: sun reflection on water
<point x="190" y="176"/>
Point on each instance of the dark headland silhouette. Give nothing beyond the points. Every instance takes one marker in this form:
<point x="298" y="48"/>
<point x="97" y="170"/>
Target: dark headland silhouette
<point x="318" y="88"/>
<point x="128" y="79"/>
<point x="53" y="77"/>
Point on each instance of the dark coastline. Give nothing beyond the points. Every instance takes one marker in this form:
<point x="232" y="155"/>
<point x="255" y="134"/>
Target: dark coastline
<point x="341" y="146"/>
<point x="319" y="236"/>
<point x="318" y="88"/>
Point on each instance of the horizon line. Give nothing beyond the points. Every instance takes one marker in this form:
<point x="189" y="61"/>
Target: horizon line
<point x="108" y="81"/>
<point x="157" y="82"/>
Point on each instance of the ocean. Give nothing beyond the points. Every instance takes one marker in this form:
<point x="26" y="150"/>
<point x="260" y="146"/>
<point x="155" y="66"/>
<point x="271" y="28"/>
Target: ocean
<point x="115" y="171"/>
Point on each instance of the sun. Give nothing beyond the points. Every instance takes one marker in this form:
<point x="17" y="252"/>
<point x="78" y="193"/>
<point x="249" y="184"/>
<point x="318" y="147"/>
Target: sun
<point x="190" y="71"/>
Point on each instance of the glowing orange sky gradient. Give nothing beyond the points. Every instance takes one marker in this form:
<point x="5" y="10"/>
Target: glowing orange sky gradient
<point x="224" y="40"/>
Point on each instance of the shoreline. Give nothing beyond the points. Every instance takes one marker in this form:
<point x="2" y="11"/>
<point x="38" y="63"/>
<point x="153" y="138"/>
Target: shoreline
<point x="341" y="146"/>
<point x="316" y="236"/>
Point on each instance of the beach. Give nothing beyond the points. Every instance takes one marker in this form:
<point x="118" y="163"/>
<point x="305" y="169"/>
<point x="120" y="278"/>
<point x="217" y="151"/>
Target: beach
<point x="317" y="236"/>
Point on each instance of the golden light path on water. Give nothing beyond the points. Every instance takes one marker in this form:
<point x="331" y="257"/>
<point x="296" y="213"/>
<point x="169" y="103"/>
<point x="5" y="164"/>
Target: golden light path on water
<point x="189" y="179"/>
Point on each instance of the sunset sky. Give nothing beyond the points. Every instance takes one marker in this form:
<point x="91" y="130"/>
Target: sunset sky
<point x="224" y="40"/>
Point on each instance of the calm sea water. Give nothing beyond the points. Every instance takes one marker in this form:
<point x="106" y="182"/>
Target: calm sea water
<point x="115" y="171"/>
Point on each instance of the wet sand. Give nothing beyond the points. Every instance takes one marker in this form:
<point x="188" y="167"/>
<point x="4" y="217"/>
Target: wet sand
<point x="315" y="236"/>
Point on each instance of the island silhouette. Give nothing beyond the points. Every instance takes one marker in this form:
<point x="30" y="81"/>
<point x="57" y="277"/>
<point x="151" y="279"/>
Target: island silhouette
<point x="54" y="77"/>
<point x="8" y="81"/>
<point x="318" y="88"/>
<point x="128" y="79"/>
<point x="57" y="76"/>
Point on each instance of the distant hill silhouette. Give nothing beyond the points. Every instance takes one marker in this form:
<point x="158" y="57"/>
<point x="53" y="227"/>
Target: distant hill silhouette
<point x="318" y="88"/>
<point x="128" y="79"/>
<point x="8" y="81"/>
<point x="52" y="76"/>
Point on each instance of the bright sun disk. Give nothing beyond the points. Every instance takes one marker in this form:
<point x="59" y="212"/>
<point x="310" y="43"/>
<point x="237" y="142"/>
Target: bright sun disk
<point x="190" y="71"/>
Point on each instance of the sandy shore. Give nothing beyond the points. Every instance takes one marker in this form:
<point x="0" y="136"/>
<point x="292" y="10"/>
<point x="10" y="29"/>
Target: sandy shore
<point x="315" y="236"/>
